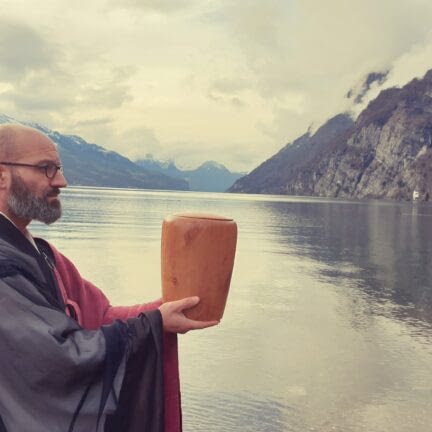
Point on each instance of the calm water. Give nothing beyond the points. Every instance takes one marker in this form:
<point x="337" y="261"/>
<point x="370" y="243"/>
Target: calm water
<point x="328" y="325"/>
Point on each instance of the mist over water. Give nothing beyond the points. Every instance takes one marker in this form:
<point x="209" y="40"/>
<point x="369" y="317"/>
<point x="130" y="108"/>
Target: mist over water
<point x="328" y="325"/>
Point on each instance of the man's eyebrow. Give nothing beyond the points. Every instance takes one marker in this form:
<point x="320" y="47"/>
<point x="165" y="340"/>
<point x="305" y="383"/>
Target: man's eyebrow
<point x="48" y="161"/>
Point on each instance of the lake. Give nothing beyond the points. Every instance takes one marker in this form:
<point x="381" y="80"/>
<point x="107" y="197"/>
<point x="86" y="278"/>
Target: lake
<point x="328" y="325"/>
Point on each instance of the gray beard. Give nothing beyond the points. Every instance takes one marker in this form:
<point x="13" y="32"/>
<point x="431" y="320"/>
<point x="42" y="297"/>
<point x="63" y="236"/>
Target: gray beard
<point x="25" y="205"/>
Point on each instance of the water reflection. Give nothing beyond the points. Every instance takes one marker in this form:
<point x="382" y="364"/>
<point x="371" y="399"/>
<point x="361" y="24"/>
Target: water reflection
<point x="383" y="249"/>
<point x="246" y="413"/>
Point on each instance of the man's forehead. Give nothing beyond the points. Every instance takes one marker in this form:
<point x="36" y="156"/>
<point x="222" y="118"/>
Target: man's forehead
<point x="33" y="144"/>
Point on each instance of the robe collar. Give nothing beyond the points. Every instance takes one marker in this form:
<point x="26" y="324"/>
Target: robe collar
<point x="12" y="235"/>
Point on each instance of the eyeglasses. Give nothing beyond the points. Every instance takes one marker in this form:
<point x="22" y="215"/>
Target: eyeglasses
<point x="49" y="168"/>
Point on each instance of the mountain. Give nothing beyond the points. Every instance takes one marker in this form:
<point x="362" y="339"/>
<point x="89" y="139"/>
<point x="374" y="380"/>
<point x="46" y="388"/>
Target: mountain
<point x="91" y="165"/>
<point x="210" y="176"/>
<point x="282" y="173"/>
<point x="166" y="167"/>
<point x="385" y="153"/>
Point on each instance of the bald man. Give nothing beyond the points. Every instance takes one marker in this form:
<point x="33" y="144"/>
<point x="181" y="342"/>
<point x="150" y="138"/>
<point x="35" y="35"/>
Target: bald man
<point x="69" y="360"/>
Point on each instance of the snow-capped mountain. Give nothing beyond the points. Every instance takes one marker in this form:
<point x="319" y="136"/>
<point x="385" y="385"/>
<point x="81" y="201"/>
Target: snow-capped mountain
<point x="88" y="164"/>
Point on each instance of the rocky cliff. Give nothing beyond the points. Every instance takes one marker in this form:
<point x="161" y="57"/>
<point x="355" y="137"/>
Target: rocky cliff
<point x="385" y="153"/>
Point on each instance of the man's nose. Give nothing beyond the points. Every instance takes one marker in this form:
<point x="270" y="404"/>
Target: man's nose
<point x="59" y="180"/>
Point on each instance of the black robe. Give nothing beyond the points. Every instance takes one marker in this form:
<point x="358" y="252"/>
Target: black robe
<point x="57" y="376"/>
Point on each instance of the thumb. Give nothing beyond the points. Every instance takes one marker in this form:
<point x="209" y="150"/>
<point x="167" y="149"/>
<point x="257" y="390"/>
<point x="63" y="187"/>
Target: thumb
<point x="187" y="303"/>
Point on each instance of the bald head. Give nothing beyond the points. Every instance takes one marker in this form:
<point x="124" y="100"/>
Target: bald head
<point x="16" y="141"/>
<point x="7" y="139"/>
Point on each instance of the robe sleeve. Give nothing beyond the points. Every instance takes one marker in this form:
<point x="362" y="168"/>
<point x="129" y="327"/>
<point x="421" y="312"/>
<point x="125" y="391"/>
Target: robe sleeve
<point x="54" y="371"/>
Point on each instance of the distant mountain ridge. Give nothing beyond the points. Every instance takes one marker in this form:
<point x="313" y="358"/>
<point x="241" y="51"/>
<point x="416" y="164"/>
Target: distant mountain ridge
<point x="385" y="153"/>
<point x="211" y="176"/>
<point x="89" y="164"/>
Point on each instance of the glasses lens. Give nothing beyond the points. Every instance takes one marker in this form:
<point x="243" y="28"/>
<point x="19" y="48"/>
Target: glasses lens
<point x="51" y="170"/>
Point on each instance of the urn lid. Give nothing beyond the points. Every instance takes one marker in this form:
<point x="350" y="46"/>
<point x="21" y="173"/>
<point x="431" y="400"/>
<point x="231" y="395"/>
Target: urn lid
<point x="192" y="215"/>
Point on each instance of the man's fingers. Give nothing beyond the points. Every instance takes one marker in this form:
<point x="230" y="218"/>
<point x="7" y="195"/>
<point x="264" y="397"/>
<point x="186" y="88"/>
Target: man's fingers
<point x="186" y="303"/>
<point x="175" y="320"/>
<point x="197" y="325"/>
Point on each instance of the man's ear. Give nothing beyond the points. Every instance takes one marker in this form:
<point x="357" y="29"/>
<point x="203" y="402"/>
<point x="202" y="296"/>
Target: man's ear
<point x="3" y="178"/>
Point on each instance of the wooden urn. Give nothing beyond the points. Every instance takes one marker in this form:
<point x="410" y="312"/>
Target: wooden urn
<point x="197" y="259"/>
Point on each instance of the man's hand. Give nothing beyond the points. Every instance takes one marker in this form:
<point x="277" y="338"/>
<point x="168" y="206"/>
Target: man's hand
<point x="174" y="320"/>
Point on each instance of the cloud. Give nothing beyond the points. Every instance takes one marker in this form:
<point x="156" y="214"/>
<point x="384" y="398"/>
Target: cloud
<point x="49" y="83"/>
<point x="230" y="86"/>
<point x="138" y="142"/>
<point x="411" y="64"/>
<point x="301" y="45"/>
<point x="41" y="91"/>
<point x="93" y="122"/>
<point x="161" y="6"/>
<point x="106" y="95"/>
<point x="134" y="143"/>
<point x="358" y="91"/>
<point x="304" y="56"/>
<point x="23" y="51"/>
<point x="60" y="91"/>
<point x="229" y="91"/>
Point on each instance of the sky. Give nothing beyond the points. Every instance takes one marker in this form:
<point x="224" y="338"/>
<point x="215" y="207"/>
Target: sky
<point x="194" y="80"/>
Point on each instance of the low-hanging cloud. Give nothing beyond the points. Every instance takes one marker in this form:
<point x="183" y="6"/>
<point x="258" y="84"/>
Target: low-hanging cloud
<point x="411" y="64"/>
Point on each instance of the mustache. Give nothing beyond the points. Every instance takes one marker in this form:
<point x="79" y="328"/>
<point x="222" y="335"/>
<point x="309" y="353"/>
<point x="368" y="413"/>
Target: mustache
<point x="53" y="192"/>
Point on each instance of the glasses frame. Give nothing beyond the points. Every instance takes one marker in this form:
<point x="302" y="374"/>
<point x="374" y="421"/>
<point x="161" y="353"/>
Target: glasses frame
<point x="46" y="167"/>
